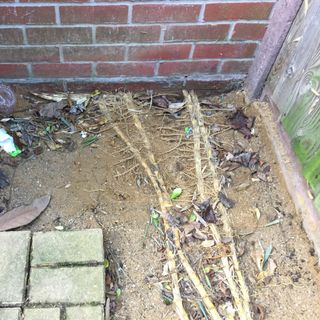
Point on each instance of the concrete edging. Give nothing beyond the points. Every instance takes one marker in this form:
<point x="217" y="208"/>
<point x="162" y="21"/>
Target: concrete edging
<point x="291" y="171"/>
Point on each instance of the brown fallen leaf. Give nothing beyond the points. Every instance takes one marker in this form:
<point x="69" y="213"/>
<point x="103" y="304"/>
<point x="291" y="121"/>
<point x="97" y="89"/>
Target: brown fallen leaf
<point x="227" y="202"/>
<point x="199" y="235"/>
<point x="4" y="180"/>
<point x="23" y="215"/>
<point x="271" y="268"/>
<point x="161" y="102"/>
<point x="247" y="159"/>
<point x="53" y="109"/>
<point x="242" y="123"/>
<point x="266" y="265"/>
<point x="206" y="212"/>
<point x="259" y="311"/>
<point x="188" y="228"/>
<point x="8" y="160"/>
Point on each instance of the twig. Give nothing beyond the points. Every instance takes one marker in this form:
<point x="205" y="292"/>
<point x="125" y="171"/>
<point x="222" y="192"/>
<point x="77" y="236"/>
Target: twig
<point x="124" y="160"/>
<point x="170" y="255"/>
<point x="211" y="309"/>
<point x="121" y="150"/>
<point x="243" y="307"/>
<point x="225" y="217"/>
<point x="176" y="147"/>
<point x="11" y="188"/>
<point x="127" y="171"/>
<point x="194" y="278"/>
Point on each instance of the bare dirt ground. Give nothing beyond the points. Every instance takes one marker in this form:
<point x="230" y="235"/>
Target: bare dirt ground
<point x="94" y="187"/>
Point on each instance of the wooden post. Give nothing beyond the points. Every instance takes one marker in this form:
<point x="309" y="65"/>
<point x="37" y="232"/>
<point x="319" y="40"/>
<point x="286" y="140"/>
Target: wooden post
<point x="281" y="20"/>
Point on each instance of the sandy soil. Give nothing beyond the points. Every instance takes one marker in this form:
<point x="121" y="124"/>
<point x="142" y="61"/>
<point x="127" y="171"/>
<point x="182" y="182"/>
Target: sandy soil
<point x="86" y="193"/>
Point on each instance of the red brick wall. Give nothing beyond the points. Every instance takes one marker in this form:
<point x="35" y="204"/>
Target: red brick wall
<point x="129" y="39"/>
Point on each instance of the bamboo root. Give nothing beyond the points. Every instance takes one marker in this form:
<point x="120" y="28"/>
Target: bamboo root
<point x="242" y="305"/>
<point x="211" y="309"/>
<point x="170" y="255"/>
<point x="226" y="222"/>
<point x="194" y="278"/>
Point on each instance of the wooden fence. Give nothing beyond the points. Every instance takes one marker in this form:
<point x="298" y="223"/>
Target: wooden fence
<point x="294" y="87"/>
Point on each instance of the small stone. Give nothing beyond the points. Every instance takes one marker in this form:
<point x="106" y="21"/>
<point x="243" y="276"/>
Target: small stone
<point x="14" y="255"/>
<point x="10" y="313"/>
<point x="42" y="314"/>
<point x="85" y="313"/>
<point x="67" y="285"/>
<point x="69" y="247"/>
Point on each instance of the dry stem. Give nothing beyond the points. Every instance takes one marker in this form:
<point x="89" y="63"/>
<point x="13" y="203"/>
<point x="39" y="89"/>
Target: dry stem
<point x="198" y="126"/>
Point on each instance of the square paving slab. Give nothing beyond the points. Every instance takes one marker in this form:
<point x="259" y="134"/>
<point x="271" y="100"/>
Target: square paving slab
<point x="74" y="285"/>
<point x="42" y="314"/>
<point x="10" y="314"/>
<point x="65" y="272"/>
<point x="67" y="247"/>
<point x="14" y="256"/>
<point x="85" y="313"/>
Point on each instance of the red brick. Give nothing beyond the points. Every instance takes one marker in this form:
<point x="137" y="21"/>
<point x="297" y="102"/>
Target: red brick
<point x="125" y="69"/>
<point x="13" y="71"/>
<point x="210" y="86"/>
<point x="27" y="15"/>
<point x="213" y="51"/>
<point x="94" y="14"/>
<point x="159" y="52"/>
<point x="197" y="32"/>
<point x="72" y="35"/>
<point x="249" y="31"/>
<point x="115" y="34"/>
<point x="57" y="70"/>
<point x="113" y="53"/>
<point x="11" y="36"/>
<point x="30" y="54"/>
<point x="236" y="11"/>
<point x="165" y="13"/>
<point x="110" y="0"/>
<point x="187" y="67"/>
<point x="55" y="1"/>
<point x="236" y="66"/>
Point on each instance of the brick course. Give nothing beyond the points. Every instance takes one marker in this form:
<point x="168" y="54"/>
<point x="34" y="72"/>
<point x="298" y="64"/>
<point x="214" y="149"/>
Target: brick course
<point x="106" y="39"/>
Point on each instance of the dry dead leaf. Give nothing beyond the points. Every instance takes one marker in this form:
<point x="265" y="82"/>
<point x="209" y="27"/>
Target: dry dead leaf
<point x="266" y="266"/>
<point x="199" y="235"/>
<point x="242" y="123"/>
<point x="271" y="268"/>
<point x="57" y="97"/>
<point x="166" y="269"/>
<point x="53" y="109"/>
<point x="258" y="213"/>
<point x="208" y="243"/>
<point x="188" y="228"/>
<point x="23" y="215"/>
<point x="259" y="311"/>
<point x="207" y="212"/>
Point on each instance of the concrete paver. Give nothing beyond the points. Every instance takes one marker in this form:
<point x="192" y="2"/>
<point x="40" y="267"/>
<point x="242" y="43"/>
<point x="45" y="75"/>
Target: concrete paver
<point x="9" y="313"/>
<point x="65" y="272"/>
<point x="67" y="285"/>
<point x="67" y="247"/>
<point x="14" y="255"/>
<point x="85" y="313"/>
<point x="42" y="314"/>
